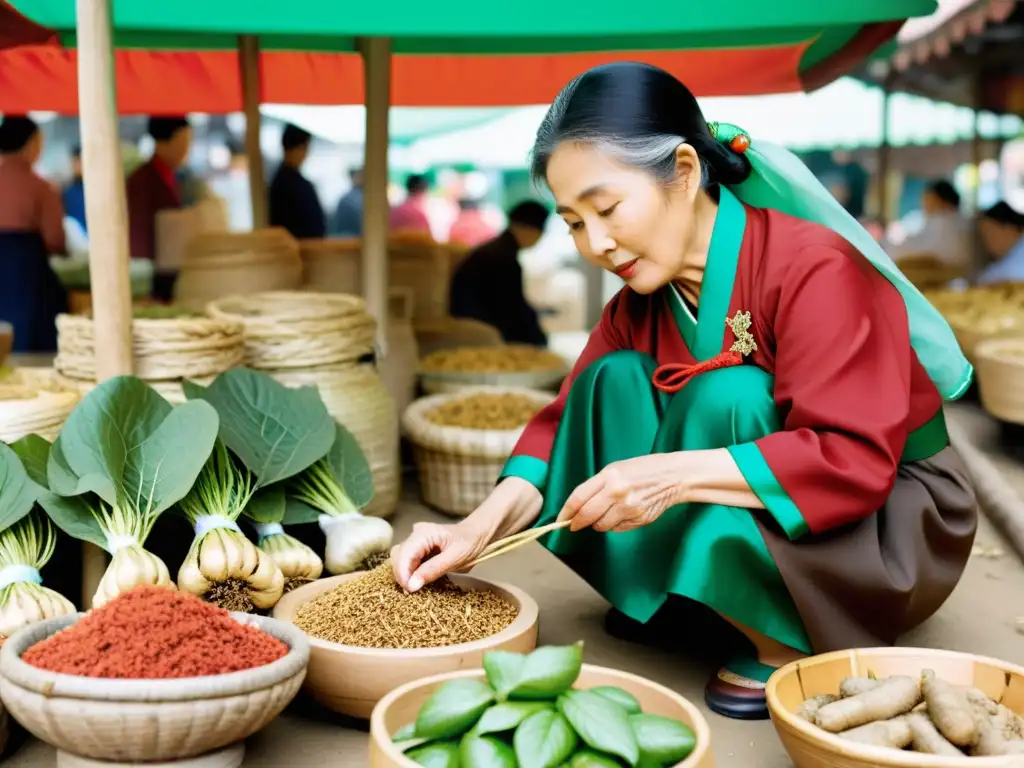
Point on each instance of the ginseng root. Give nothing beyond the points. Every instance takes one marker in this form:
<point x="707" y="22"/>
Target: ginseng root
<point x="949" y="709"/>
<point x="896" y="696"/>
<point x="927" y="738"/>
<point x="854" y="686"/>
<point x="809" y="709"/>
<point x="992" y="741"/>
<point x="893" y="733"/>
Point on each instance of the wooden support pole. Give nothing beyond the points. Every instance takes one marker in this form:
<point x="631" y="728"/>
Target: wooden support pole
<point x="376" y="53"/>
<point x="107" y="214"/>
<point x="249" y="65"/>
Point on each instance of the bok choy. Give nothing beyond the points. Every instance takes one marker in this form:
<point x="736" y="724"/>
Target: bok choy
<point x="123" y="457"/>
<point x="270" y="433"/>
<point x="26" y="545"/>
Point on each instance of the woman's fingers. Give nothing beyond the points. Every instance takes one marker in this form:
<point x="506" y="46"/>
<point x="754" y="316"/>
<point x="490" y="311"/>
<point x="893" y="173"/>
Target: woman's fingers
<point x="579" y="498"/>
<point x="444" y="562"/>
<point x="407" y="557"/>
<point x="592" y="511"/>
<point x="617" y="516"/>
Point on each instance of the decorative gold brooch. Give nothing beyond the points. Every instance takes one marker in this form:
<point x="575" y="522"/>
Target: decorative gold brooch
<point x="740" y="327"/>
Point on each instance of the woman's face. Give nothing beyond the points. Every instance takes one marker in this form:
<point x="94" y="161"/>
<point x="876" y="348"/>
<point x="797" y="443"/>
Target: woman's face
<point x="621" y="218"/>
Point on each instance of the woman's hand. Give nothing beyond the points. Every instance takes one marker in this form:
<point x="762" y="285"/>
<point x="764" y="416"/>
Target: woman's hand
<point x="432" y="550"/>
<point x="627" y="494"/>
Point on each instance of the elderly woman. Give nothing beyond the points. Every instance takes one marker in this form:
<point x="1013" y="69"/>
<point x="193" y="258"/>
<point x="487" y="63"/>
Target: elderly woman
<point x="756" y="423"/>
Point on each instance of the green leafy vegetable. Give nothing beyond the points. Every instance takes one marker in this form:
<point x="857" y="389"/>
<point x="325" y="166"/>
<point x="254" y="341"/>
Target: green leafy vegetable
<point x="453" y="709"/>
<point x="405" y="733"/>
<point x="624" y="699"/>
<point x="503" y="669"/>
<point x="34" y="452"/>
<point x="600" y="723"/>
<point x="587" y="758"/>
<point x="340" y="483"/>
<point x="486" y="752"/>
<point x="267" y="505"/>
<point x="662" y="740"/>
<point x="18" y="493"/>
<point x="544" y="740"/>
<point x="438" y="754"/>
<point x="548" y="671"/>
<point x="507" y="715"/>
<point x="223" y="488"/>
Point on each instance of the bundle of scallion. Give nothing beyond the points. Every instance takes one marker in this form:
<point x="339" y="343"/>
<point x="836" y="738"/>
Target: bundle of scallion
<point x="26" y="545"/>
<point x="124" y="456"/>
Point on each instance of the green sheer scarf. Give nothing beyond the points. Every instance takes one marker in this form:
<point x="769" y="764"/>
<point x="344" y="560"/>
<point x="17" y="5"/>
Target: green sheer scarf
<point x="780" y="181"/>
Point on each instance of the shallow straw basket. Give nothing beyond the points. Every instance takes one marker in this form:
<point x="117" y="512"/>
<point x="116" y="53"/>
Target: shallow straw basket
<point x="356" y="398"/>
<point x="34" y="400"/>
<point x="458" y="467"/>
<point x="222" y="264"/>
<point x="291" y="329"/>
<point x="440" y="333"/>
<point x="999" y="366"/>
<point x="162" y="349"/>
<point x="398" y="368"/>
<point x="148" y="721"/>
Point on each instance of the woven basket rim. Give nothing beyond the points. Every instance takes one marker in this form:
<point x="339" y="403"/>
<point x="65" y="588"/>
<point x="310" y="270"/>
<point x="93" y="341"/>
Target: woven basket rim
<point x="463" y="441"/>
<point x="307" y="305"/>
<point x="54" y="684"/>
<point x="196" y="322"/>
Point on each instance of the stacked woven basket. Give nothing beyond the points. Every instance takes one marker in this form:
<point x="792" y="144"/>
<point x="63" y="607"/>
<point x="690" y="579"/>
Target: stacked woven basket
<point x="165" y="351"/>
<point x="221" y="264"/>
<point x="325" y="340"/>
<point x="33" y="400"/>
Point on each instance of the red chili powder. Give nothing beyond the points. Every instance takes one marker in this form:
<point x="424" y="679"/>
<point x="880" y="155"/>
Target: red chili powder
<point x="155" y="633"/>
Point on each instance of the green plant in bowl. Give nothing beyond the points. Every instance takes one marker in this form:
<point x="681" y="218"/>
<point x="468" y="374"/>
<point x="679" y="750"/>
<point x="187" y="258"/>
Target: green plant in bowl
<point x="528" y="715"/>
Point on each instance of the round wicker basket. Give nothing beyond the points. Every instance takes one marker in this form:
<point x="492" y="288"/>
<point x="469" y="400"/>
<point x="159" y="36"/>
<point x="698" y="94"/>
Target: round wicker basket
<point x="171" y="391"/>
<point x="221" y="264"/>
<point x="458" y="467"/>
<point x="34" y="400"/>
<point x="331" y="265"/>
<point x="355" y="397"/>
<point x="541" y="369"/>
<point x="999" y="366"/>
<point x="285" y="329"/>
<point x="162" y="349"/>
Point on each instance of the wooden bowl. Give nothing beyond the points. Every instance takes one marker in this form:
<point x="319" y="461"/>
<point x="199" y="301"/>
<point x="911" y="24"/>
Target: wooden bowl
<point x="400" y="706"/>
<point x="143" y="721"/>
<point x="351" y="680"/>
<point x="811" y="747"/>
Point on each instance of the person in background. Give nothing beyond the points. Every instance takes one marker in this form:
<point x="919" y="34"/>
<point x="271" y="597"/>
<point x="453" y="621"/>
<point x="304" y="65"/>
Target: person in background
<point x="348" y="216"/>
<point x="294" y="203"/>
<point x="945" y="235"/>
<point x="471" y="227"/>
<point x="74" y="193"/>
<point x="153" y="187"/>
<point x="488" y="284"/>
<point x="411" y="214"/>
<point x="31" y="229"/>
<point x="1002" y="232"/>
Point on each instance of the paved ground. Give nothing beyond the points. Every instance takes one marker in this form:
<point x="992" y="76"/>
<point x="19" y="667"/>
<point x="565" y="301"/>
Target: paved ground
<point x="979" y="617"/>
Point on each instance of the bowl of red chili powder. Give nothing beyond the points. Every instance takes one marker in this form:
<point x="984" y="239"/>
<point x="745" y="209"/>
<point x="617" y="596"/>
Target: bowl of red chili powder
<point x="153" y="675"/>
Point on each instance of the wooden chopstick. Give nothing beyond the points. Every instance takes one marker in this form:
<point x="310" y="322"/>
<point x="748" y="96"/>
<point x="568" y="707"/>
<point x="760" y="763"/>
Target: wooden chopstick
<point x="506" y="545"/>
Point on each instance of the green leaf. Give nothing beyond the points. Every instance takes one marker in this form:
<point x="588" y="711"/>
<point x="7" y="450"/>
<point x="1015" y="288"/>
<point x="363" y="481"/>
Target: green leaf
<point x="486" y="752"/>
<point x="548" y="671"/>
<point x="588" y="758"/>
<point x="275" y="430"/>
<point x="405" y="733"/>
<point x="503" y="669"/>
<point x="600" y="723"/>
<point x="662" y="740"/>
<point x="298" y="512"/>
<point x="18" y="493"/>
<point x="544" y="740"/>
<point x="507" y="715"/>
<point x="623" y="698"/>
<point x="350" y="468"/>
<point x="71" y="514"/>
<point x="267" y="505"/>
<point x="453" y="709"/>
<point x="34" y="452"/>
<point x="438" y="754"/>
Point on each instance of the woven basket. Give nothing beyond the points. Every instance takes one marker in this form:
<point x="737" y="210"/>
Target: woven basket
<point x="226" y="264"/>
<point x="355" y="396"/>
<point x="399" y="366"/>
<point x="971" y="332"/>
<point x="285" y="330"/>
<point x="927" y="272"/>
<point x="439" y="382"/>
<point x="999" y="366"/>
<point x="34" y="400"/>
<point x="162" y="349"/>
<point x="171" y="391"/>
<point x="453" y="332"/>
<point x="458" y="467"/>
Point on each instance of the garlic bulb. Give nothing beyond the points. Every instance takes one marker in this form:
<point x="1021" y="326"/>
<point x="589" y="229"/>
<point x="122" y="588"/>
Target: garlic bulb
<point x="351" y="538"/>
<point x="131" y="566"/>
<point x="228" y="570"/>
<point x="25" y="603"/>
<point x="298" y="563"/>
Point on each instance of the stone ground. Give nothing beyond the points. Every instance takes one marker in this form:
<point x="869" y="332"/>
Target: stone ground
<point x="979" y="617"/>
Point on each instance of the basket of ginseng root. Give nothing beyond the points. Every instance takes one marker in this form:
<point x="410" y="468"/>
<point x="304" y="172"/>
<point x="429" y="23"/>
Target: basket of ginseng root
<point x="887" y="707"/>
<point x="462" y="440"/>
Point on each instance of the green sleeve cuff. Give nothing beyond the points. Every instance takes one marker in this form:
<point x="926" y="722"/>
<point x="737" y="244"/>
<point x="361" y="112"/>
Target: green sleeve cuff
<point x="531" y="469"/>
<point x="762" y="482"/>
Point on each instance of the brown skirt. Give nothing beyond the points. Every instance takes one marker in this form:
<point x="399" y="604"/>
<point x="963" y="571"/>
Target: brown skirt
<point x="867" y="583"/>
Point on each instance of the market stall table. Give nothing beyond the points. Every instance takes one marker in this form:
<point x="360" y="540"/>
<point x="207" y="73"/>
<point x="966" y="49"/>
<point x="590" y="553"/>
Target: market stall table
<point x="978" y="618"/>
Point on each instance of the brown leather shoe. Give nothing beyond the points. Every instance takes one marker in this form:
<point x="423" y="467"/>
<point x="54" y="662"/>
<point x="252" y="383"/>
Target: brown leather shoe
<point x="737" y="690"/>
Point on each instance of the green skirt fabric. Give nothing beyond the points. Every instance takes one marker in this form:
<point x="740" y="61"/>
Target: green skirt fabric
<point x="705" y="552"/>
